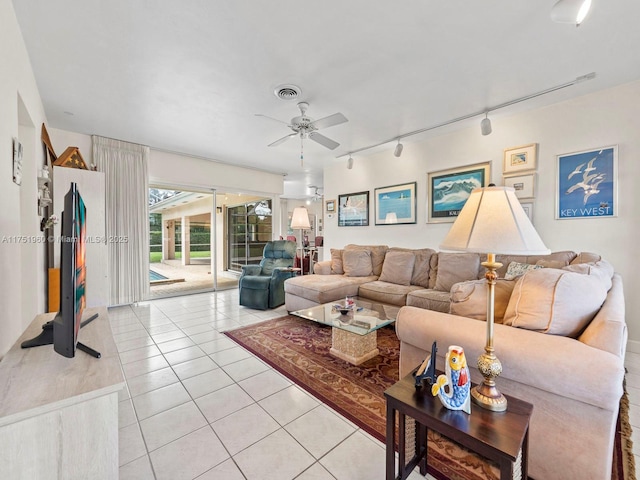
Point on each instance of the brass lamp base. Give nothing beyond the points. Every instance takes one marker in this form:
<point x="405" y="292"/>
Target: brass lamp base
<point x="486" y="394"/>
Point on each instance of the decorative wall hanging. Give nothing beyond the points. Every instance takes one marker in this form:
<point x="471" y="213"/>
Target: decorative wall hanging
<point x="395" y="204"/>
<point x="523" y="184"/>
<point x="353" y="209"/>
<point x="448" y="190"/>
<point x="587" y="184"/>
<point x="520" y="159"/>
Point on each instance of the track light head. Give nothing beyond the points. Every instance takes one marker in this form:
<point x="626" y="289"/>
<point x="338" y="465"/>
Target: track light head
<point x="485" y="125"/>
<point x="570" y="11"/>
<point x="350" y="162"/>
<point x="398" y="151"/>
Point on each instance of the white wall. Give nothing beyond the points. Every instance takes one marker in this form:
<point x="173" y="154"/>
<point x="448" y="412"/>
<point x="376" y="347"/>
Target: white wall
<point x="21" y="115"/>
<point x="605" y="118"/>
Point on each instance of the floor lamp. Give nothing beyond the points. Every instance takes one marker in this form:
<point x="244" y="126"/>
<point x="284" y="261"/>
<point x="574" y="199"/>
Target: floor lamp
<point x="492" y="220"/>
<point x="300" y="220"/>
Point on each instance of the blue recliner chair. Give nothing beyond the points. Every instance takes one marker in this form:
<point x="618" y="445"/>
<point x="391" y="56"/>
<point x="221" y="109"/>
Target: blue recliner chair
<point x="262" y="286"/>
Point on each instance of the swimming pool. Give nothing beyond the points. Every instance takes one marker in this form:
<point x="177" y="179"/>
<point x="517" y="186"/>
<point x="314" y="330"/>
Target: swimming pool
<point x="155" y="276"/>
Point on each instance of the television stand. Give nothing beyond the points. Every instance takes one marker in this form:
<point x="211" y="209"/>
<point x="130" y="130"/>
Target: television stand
<point x="46" y="337"/>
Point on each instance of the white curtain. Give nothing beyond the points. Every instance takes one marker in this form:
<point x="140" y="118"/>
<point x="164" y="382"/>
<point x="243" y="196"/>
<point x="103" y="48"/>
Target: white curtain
<point x="127" y="212"/>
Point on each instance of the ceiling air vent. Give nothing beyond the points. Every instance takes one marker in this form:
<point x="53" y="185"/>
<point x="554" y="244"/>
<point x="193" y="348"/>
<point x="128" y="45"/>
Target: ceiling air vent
<point x="287" y="92"/>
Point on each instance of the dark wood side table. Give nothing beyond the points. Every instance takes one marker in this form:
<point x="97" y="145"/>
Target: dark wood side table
<point x="498" y="436"/>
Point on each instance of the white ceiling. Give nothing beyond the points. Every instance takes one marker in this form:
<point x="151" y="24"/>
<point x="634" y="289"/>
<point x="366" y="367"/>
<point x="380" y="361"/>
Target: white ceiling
<point x="189" y="76"/>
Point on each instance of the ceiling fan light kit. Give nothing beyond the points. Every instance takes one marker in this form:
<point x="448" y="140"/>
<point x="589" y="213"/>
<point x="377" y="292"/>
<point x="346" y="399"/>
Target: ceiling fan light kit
<point x="570" y="11"/>
<point x="306" y="127"/>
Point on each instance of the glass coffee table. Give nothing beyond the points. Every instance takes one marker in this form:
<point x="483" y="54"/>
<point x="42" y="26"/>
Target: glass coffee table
<point x="354" y="337"/>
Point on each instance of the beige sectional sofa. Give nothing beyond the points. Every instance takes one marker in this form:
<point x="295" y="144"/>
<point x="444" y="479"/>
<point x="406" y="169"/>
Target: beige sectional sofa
<point x="560" y="335"/>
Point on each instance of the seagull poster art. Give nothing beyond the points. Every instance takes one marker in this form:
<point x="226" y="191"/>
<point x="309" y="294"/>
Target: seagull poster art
<point x="587" y="184"/>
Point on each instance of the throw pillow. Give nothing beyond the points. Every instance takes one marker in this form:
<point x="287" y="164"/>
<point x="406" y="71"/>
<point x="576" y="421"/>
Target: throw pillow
<point x="516" y="270"/>
<point x="469" y="299"/>
<point x="601" y="269"/>
<point x="336" y="262"/>
<point x="554" y="301"/>
<point x="398" y="267"/>
<point x="377" y="255"/>
<point x="456" y="267"/>
<point x="357" y="263"/>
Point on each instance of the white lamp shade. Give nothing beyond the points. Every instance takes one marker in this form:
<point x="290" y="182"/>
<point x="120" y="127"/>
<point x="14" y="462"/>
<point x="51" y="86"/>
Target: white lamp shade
<point x="493" y="221"/>
<point x="300" y="219"/>
<point x="570" y="11"/>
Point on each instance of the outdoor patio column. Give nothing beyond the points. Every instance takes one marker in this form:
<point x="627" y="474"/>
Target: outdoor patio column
<point x="169" y="240"/>
<point x="186" y="241"/>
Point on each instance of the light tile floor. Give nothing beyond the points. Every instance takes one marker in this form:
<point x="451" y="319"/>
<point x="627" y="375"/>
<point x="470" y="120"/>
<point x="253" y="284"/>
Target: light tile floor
<point x="198" y="406"/>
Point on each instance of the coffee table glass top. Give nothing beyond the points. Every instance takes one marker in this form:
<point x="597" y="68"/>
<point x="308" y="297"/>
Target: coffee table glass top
<point x="364" y="318"/>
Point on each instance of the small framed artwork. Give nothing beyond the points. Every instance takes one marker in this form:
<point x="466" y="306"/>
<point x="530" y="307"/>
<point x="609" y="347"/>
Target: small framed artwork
<point x="524" y="184"/>
<point x="395" y="204"/>
<point x="330" y="206"/>
<point x="520" y="159"/>
<point x="528" y="209"/>
<point x="587" y="184"/>
<point x="448" y="190"/>
<point x="353" y="209"/>
<point x="17" y="161"/>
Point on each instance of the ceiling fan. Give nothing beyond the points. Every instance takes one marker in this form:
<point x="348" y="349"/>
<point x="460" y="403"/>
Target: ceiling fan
<point x="306" y="127"/>
<point x="316" y="196"/>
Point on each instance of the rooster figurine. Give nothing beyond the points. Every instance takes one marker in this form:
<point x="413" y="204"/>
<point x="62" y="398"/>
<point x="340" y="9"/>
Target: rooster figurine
<point x="457" y="378"/>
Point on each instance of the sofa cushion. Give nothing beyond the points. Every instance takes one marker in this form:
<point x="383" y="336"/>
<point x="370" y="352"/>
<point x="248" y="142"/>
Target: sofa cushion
<point x="357" y="263"/>
<point x="555" y="301"/>
<point x="469" y="299"/>
<point x="429" y="299"/>
<point x="456" y="267"/>
<point x="324" y="288"/>
<point x="336" y="261"/>
<point x="377" y="255"/>
<point x="517" y="269"/>
<point x="563" y="258"/>
<point x="421" y="266"/>
<point x="398" y="267"/>
<point x="586" y="257"/>
<point x="385" y="292"/>
<point x="601" y="269"/>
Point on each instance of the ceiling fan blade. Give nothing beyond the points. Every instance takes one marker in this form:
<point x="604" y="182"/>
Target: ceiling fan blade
<point x="324" y="141"/>
<point x="282" y="140"/>
<point x="330" y="121"/>
<point x="271" y="118"/>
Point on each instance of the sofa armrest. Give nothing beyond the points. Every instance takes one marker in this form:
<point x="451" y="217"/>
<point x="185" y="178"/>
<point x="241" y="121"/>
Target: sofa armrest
<point x="560" y="365"/>
<point x="251" y="270"/>
<point x="322" y="268"/>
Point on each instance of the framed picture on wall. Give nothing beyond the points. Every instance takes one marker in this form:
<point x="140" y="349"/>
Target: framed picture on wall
<point x="528" y="209"/>
<point x="395" y="204"/>
<point x="587" y="184"/>
<point x="330" y="206"/>
<point x="523" y="184"/>
<point x="448" y="190"/>
<point x="520" y="159"/>
<point x="353" y="209"/>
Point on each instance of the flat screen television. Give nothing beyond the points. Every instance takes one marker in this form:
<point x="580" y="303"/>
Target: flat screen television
<point x="73" y="273"/>
<point x="63" y="330"/>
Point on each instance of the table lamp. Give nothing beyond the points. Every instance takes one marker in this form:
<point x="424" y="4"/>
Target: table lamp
<point x="492" y="220"/>
<point x="300" y="220"/>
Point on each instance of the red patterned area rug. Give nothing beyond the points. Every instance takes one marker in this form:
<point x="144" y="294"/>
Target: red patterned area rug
<point x="299" y="349"/>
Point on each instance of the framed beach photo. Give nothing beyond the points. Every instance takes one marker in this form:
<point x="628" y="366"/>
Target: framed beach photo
<point x="448" y="190"/>
<point x="524" y="184"/>
<point x="353" y="209"/>
<point x="395" y="204"/>
<point x="587" y="184"/>
<point x="520" y="159"/>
